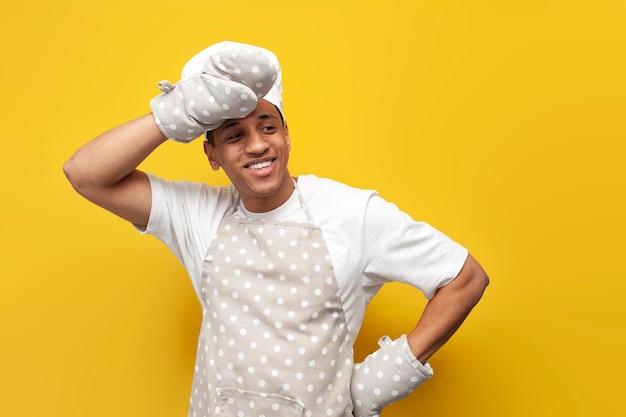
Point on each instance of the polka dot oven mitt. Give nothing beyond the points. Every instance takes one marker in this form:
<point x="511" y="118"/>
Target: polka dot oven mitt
<point x="228" y="87"/>
<point x="386" y="376"/>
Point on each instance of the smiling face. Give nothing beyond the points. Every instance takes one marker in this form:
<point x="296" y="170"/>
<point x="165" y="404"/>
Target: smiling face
<point x="253" y="152"/>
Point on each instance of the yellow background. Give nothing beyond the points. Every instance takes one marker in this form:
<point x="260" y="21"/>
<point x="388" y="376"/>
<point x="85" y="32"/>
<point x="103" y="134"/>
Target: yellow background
<point x="501" y="123"/>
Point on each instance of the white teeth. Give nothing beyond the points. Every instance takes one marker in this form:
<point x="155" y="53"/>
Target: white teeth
<point x="260" y="165"/>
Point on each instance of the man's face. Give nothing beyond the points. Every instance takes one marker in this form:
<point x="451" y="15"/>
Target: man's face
<point x="253" y="152"/>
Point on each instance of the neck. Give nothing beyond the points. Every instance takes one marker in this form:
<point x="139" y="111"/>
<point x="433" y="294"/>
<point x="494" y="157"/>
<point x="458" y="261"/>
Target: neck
<point x="265" y="203"/>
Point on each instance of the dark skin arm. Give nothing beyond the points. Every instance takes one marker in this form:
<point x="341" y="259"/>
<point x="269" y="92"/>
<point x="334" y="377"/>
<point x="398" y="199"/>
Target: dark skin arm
<point x="447" y="310"/>
<point x="104" y="169"/>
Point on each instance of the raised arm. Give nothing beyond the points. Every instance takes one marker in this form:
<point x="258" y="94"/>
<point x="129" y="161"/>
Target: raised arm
<point x="222" y="82"/>
<point x="104" y="169"/>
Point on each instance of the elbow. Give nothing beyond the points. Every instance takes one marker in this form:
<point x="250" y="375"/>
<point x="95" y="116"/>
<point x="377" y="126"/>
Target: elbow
<point x="474" y="280"/>
<point x="474" y="288"/>
<point x="75" y="174"/>
<point x="481" y="278"/>
<point x="483" y="282"/>
<point x="70" y="171"/>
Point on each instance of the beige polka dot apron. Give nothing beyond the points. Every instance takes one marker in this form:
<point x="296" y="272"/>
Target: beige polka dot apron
<point x="274" y="340"/>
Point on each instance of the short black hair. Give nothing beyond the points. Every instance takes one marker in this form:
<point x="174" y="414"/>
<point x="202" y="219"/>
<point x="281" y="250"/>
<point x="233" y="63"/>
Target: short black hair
<point x="208" y="136"/>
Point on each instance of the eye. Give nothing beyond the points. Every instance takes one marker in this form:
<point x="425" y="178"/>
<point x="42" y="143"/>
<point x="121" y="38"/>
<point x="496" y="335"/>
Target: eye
<point x="268" y="129"/>
<point x="234" y="137"/>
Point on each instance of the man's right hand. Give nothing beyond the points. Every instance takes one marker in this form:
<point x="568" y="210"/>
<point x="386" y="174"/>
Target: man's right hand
<point x="227" y="87"/>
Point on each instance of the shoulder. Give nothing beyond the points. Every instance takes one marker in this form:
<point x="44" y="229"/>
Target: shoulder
<point x="334" y="204"/>
<point x="190" y="189"/>
<point x="332" y="191"/>
<point x="195" y="198"/>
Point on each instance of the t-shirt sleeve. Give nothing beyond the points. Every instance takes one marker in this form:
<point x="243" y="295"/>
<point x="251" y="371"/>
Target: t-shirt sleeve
<point x="184" y="216"/>
<point x="398" y="248"/>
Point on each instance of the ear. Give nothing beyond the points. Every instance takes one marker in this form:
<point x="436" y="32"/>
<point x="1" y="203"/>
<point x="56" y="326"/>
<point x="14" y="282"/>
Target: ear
<point x="210" y="153"/>
<point x="288" y="138"/>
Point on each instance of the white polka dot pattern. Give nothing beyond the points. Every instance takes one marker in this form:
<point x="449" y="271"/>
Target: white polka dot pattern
<point x="386" y="376"/>
<point x="274" y="340"/>
<point x="228" y="87"/>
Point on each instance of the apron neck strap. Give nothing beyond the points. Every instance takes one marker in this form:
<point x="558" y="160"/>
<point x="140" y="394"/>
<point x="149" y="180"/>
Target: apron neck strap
<point x="237" y="199"/>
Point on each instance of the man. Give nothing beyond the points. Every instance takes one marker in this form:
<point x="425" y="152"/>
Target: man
<point x="283" y="267"/>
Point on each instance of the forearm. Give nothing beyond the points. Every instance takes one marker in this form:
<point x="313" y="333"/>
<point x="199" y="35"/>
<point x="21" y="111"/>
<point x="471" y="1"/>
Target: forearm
<point x="447" y="310"/>
<point x="112" y="156"/>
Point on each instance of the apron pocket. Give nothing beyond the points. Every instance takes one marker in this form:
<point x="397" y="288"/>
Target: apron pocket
<point x="234" y="402"/>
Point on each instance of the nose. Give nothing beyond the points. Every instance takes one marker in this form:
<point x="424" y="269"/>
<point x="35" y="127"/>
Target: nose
<point x="256" y="143"/>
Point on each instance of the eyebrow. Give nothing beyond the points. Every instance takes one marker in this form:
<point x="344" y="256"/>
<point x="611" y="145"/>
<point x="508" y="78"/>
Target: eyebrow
<point x="235" y="123"/>
<point x="229" y="125"/>
<point x="266" y="116"/>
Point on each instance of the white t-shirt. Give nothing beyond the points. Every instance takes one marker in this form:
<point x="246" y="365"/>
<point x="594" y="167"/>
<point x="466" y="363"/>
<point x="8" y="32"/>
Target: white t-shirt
<point x="370" y="241"/>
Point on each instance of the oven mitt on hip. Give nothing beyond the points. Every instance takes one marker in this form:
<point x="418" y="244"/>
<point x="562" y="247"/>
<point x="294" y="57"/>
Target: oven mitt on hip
<point x="386" y="376"/>
<point x="228" y="87"/>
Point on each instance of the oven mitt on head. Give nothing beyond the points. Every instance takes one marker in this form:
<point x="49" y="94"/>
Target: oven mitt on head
<point x="228" y="87"/>
<point x="386" y="376"/>
<point x="206" y="58"/>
